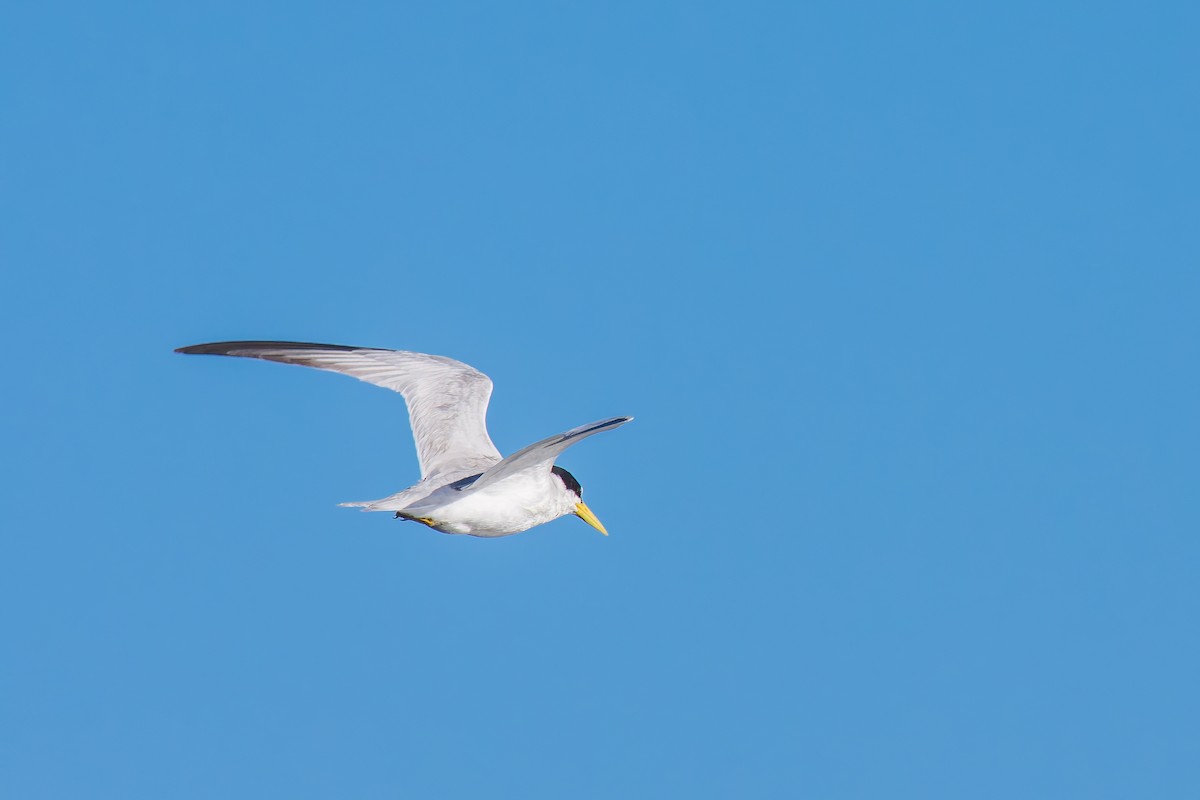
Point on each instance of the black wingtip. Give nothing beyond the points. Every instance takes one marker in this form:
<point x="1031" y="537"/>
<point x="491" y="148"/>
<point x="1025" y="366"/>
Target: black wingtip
<point x="214" y="348"/>
<point x="227" y="348"/>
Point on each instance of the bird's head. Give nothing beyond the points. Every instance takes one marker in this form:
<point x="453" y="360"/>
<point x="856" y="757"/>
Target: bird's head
<point x="575" y="492"/>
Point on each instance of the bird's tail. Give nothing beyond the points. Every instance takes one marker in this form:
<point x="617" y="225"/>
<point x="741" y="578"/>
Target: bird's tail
<point x="395" y="502"/>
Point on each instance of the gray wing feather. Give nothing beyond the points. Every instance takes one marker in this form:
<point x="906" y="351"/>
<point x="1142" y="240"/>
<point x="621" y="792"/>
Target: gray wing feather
<point x="541" y="455"/>
<point x="447" y="400"/>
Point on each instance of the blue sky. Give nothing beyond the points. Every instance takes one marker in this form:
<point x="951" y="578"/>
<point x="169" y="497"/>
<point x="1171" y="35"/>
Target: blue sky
<point x="903" y="297"/>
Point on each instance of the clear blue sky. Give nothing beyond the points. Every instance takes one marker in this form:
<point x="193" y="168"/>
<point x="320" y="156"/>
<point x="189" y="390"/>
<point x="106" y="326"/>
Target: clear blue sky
<point x="904" y="297"/>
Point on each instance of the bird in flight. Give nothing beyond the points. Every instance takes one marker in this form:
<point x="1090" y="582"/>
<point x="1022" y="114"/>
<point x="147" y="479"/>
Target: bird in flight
<point x="465" y="486"/>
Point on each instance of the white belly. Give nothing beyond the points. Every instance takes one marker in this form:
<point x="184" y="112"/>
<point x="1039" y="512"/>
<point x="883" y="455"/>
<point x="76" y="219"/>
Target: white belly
<point x="499" y="510"/>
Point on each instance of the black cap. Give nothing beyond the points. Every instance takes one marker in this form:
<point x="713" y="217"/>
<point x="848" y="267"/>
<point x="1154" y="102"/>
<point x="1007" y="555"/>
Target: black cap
<point x="568" y="481"/>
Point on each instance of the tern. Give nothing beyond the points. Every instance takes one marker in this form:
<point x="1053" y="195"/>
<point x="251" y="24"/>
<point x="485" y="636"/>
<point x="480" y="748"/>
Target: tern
<point x="465" y="487"/>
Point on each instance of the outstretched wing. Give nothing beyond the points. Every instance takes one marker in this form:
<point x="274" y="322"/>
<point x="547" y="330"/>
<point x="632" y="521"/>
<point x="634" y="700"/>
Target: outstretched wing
<point x="540" y="456"/>
<point x="447" y="400"/>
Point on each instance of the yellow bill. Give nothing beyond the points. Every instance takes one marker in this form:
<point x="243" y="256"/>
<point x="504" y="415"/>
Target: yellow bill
<point x="585" y="514"/>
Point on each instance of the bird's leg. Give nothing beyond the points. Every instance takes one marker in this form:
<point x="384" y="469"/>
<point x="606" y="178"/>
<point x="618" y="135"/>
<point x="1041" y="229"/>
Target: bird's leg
<point x="422" y="520"/>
